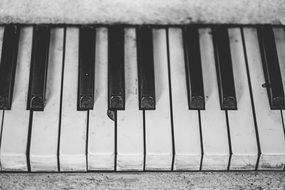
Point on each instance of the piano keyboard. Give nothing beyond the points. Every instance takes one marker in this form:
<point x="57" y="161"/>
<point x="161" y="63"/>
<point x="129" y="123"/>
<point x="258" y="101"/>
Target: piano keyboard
<point x="141" y="98"/>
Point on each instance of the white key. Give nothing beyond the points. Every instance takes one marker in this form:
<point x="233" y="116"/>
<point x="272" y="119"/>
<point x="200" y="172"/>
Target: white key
<point x="185" y="122"/>
<point x="44" y="137"/>
<point x="213" y="119"/>
<point x="73" y="122"/>
<point x="158" y="122"/>
<point x="16" y="121"/>
<point x="241" y="121"/>
<point x="101" y="133"/>
<point x="279" y="35"/>
<point x="1" y="111"/>
<point x="130" y="155"/>
<point x="269" y="122"/>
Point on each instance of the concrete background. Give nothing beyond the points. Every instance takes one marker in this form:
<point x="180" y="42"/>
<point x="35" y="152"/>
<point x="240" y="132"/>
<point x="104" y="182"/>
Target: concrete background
<point x="143" y="11"/>
<point x="144" y="180"/>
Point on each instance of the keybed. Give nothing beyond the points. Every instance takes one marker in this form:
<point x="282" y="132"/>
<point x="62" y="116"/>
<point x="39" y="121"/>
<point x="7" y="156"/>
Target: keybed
<point x="141" y="99"/>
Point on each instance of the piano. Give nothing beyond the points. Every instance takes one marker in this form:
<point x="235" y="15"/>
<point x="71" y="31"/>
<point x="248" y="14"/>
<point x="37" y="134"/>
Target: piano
<point x="142" y="98"/>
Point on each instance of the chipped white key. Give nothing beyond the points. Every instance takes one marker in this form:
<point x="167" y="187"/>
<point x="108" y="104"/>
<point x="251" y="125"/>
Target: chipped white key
<point x="185" y="121"/>
<point x="130" y="149"/>
<point x="158" y="132"/>
<point x="241" y="121"/>
<point x="73" y="123"/>
<point x="269" y="122"/>
<point x="1" y="111"/>
<point x="213" y="119"/>
<point x="101" y="133"/>
<point x="44" y="137"/>
<point x="16" y="121"/>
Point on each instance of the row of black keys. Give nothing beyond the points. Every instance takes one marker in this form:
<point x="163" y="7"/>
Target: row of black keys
<point x="116" y="79"/>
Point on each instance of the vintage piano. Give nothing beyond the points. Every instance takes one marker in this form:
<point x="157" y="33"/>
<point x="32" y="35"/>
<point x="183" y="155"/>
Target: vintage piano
<point x="166" y="86"/>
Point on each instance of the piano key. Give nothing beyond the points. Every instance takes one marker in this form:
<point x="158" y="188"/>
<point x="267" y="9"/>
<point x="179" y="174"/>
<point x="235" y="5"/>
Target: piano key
<point x="185" y="122"/>
<point x="213" y="119"/>
<point x="146" y="68"/>
<point x="273" y="81"/>
<point x="193" y="68"/>
<point x="15" y="127"/>
<point x="39" y="64"/>
<point x="44" y="137"/>
<point x="72" y="148"/>
<point x="101" y="133"/>
<point x="86" y="68"/>
<point x="8" y="65"/>
<point x="116" y="83"/>
<point x="224" y="69"/>
<point x="1" y="111"/>
<point x="158" y="128"/>
<point x="241" y="122"/>
<point x="269" y="122"/>
<point x="279" y="34"/>
<point x="130" y="140"/>
<point x="1" y="39"/>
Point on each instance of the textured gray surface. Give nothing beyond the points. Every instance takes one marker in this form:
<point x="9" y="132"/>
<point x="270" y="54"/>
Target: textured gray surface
<point x="143" y="11"/>
<point x="175" y="180"/>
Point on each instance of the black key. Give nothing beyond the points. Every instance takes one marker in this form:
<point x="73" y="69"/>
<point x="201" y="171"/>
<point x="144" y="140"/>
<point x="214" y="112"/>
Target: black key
<point x="193" y="68"/>
<point x="224" y="68"/>
<point x="145" y="68"/>
<point x="38" y="72"/>
<point x="8" y="65"/>
<point x="85" y="99"/>
<point x="116" y="73"/>
<point x="271" y="67"/>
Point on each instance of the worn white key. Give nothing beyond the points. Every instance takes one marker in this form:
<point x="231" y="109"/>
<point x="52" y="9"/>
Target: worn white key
<point x="158" y="122"/>
<point x="269" y="122"/>
<point x="185" y="121"/>
<point x="44" y="137"/>
<point x="73" y="122"/>
<point x="213" y="119"/>
<point x="16" y="121"/>
<point x="130" y="155"/>
<point x="101" y="133"/>
<point x="1" y="111"/>
<point x="241" y="121"/>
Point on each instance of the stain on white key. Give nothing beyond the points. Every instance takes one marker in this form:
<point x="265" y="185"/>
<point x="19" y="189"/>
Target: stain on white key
<point x="101" y="133"/>
<point x="158" y="134"/>
<point x="44" y="137"/>
<point x="213" y="120"/>
<point x="241" y="121"/>
<point x="130" y="141"/>
<point x="16" y="121"/>
<point x="185" y="121"/>
<point x="269" y="122"/>
<point x="73" y="123"/>
<point x="1" y="111"/>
